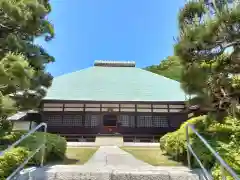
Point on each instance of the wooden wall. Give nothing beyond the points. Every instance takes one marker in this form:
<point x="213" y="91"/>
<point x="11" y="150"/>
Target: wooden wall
<point x="79" y="106"/>
<point x="135" y="118"/>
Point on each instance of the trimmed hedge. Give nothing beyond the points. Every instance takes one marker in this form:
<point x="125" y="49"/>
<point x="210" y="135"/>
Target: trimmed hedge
<point x="174" y="143"/>
<point x="55" y="150"/>
<point x="11" y="160"/>
<point x="224" y="138"/>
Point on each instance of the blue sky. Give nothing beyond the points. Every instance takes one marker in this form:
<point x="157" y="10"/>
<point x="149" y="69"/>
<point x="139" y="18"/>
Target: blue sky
<point x="88" y="30"/>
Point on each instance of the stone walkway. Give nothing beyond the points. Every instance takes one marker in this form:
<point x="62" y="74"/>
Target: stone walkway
<point x="114" y="156"/>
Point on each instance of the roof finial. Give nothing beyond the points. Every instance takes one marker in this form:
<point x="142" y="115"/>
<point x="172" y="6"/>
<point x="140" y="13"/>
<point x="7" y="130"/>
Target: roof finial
<point x="114" y="63"/>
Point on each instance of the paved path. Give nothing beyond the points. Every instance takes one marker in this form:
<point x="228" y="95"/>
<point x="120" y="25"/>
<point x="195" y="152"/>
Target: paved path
<point x="114" y="156"/>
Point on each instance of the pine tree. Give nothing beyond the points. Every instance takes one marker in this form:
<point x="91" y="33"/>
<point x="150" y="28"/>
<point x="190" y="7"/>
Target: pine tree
<point x="207" y="29"/>
<point x="23" y="79"/>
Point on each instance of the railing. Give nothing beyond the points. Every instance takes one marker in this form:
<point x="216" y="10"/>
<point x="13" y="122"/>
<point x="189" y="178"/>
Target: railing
<point x="41" y="147"/>
<point x="222" y="163"/>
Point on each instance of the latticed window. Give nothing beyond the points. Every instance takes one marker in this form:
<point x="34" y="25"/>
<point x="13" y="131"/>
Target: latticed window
<point x="160" y="121"/>
<point x="53" y="120"/>
<point x="144" y="121"/>
<point x="72" y="120"/>
<point x="127" y="120"/>
<point x="92" y="120"/>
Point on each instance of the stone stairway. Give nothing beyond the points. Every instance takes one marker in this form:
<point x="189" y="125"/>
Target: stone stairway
<point x="112" y="163"/>
<point x="74" y="172"/>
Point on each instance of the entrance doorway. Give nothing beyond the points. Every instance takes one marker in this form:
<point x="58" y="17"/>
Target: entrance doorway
<point x="110" y="123"/>
<point x="110" y="120"/>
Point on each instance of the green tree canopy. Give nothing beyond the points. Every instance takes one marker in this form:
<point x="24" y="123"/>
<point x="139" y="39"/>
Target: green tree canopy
<point x="170" y="68"/>
<point x="207" y="29"/>
<point x="23" y="79"/>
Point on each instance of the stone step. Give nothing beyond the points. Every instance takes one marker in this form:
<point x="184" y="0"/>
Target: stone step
<point x="74" y="172"/>
<point x="109" y="141"/>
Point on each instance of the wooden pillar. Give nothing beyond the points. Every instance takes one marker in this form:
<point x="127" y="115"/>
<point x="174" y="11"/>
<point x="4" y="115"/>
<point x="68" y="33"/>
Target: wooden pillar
<point x="135" y="116"/>
<point x="169" y="120"/>
<point x="169" y="116"/>
<point x="84" y="114"/>
<point x="152" y="125"/>
<point x="62" y="113"/>
<point x="30" y="125"/>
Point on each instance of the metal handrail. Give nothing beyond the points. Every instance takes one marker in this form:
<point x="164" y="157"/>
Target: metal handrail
<point x="223" y="164"/>
<point x="42" y="146"/>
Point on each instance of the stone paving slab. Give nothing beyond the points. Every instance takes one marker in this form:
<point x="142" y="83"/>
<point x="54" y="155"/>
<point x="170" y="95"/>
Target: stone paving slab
<point x="109" y="168"/>
<point x="139" y="144"/>
<point x="81" y="144"/>
<point x="114" y="156"/>
<point x="129" y="144"/>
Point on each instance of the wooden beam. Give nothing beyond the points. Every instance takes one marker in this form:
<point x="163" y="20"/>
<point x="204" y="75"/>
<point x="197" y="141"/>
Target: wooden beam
<point x="63" y="107"/>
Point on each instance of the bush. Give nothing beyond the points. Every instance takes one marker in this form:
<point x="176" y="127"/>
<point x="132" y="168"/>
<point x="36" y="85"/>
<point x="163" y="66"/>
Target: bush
<point x="229" y="148"/>
<point x="55" y="147"/>
<point x="223" y="137"/>
<point x="11" y="137"/>
<point x="233" y="160"/>
<point x="163" y="140"/>
<point x="200" y="123"/>
<point x="11" y="160"/>
<point x="174" y="143"/>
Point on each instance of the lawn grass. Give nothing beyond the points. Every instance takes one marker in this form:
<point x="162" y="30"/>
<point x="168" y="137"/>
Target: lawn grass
<point x="151" y="155"/>
<point x="78" y="155"/>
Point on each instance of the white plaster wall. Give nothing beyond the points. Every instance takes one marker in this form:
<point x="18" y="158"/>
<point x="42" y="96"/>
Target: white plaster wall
<point x="23" y="125"/>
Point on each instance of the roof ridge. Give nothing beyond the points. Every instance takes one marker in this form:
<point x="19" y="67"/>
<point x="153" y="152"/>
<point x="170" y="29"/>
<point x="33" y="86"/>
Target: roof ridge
<point x="107" y="63"/>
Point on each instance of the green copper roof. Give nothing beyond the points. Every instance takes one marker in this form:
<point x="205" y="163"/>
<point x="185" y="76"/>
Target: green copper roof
<point x="101" y="83"/>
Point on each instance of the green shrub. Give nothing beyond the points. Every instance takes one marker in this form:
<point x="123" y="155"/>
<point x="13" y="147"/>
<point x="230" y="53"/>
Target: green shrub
<point x="203" y="153"/>
<point x="55" y="150"/>
<point x="234" y="163"/>
<point x="163" y="141"/>
<point x="11" y="137"/>
<point x="58" y="148"/>
<point x="55" y="145"/>
<point x="223" y="137"/>
<point x="200" y="123"/>
<point x="11" y="160"/>
<point x="229" y="150"/>
<point x="228" y="127"/>
<point x="174" y="143"/>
